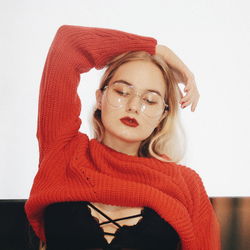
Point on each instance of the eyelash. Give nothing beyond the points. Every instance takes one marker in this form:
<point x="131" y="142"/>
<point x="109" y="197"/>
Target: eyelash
<point x="123" y="95"/>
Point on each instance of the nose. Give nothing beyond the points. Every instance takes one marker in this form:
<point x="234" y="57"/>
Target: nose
<point x="134" y="104"/>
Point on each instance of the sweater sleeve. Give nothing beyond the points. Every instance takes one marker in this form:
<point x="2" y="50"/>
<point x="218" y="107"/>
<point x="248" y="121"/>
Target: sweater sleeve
<point x="205" y="222"/>
<point x="76" y="50"/>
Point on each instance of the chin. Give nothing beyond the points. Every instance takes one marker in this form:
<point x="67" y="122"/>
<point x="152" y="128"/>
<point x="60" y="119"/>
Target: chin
<point x="125" y="136"/>
<point x="125" y="133"/>
<point x="131" y="137"/>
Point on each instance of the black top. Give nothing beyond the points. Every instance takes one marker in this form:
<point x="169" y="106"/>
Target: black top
<point x="70" y="226"/>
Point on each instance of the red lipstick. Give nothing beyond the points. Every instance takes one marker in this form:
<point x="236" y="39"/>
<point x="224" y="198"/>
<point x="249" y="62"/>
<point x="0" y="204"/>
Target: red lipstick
<point x="129" y="121"/>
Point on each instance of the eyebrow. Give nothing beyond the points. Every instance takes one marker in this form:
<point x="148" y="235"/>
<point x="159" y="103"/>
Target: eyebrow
<point x="130" y="84"/>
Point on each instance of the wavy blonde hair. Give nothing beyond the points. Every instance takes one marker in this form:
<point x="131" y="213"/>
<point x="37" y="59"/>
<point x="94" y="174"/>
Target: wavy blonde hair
<point x="168" y="140"/>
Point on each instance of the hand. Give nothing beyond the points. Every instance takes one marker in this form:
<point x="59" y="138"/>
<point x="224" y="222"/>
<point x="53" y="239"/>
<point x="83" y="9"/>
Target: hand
<point x="192" y="94"/>
<point x="182" y="75"/>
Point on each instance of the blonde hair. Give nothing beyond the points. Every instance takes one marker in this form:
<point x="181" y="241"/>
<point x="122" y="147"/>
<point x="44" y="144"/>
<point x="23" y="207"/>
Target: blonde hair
<point x="42" y="245"/>
<point x="168" y="141"/>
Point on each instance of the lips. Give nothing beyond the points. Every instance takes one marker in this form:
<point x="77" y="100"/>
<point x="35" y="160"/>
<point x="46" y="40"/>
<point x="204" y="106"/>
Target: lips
<point x="129" y="121"/>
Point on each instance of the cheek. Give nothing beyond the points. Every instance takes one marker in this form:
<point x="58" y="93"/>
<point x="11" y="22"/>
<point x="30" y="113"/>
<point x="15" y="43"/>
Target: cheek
<point x="111" y="116"/>
<point x="109" y="113"/>
<point x="148" y="126"/>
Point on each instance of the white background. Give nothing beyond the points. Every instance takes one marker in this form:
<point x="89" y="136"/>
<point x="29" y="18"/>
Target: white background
<point x="211" y="37"/>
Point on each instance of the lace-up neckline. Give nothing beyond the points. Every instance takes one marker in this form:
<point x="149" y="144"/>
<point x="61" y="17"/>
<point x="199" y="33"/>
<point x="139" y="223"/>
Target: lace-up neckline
<point x="114" y="221"/>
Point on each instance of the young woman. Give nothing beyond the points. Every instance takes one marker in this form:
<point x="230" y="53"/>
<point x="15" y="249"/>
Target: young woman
<point x="123" y="189"/>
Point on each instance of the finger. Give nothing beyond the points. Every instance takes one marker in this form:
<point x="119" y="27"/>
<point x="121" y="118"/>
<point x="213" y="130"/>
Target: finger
<point x="195" y="102"/>
<point x="184" y="105"/>
<point x="190" y="83"/>
<point x="193" y="107"/>
<point x="180" y="92"/>
<point x="186" y="97"/>
<point x="189" y="86"/>
<point x="191" y="93"/>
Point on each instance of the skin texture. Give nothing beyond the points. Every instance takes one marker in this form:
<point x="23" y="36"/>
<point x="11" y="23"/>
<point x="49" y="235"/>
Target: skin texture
<point x="143" y="75"/>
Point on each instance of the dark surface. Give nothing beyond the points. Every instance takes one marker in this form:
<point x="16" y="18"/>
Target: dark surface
<point x="233" y="214"/>
<point x="15" y="231"/>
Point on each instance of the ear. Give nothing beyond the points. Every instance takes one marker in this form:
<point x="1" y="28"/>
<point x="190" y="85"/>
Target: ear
<point x="98" y="95"/>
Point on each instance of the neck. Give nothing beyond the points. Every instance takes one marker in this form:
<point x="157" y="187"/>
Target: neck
<point x="126" y="147"/>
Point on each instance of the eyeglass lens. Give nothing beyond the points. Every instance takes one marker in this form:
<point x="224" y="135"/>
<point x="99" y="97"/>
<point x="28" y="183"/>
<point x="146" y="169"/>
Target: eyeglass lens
<point x="119" y="94"/>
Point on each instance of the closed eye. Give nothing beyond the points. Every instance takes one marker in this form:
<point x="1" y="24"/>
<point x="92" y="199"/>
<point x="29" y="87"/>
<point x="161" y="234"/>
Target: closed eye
<point x="121" y="93"/>
<point x="149" y="102"/>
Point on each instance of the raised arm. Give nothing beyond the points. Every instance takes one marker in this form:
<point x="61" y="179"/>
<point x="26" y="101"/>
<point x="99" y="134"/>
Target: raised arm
<point x="76" y="50"/>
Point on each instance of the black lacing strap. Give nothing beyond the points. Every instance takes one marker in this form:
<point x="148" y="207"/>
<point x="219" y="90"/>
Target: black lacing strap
<point x="109" y="233"/>
<point x="111" y="220"/>
<point x="123" y="218"/>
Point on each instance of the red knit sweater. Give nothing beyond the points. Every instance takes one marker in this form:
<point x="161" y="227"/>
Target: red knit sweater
<point x="72" y="167"/>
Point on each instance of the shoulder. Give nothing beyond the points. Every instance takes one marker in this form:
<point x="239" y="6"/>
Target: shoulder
<point x="201" y="204"/>
<point x="192" y="178"/>
<point x="188" y="171"/>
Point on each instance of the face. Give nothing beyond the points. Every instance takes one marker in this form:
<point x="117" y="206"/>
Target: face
<point x="142" y="75"/>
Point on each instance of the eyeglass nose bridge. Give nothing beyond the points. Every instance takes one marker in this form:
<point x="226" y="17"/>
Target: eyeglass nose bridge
<point x="135" y="93"/>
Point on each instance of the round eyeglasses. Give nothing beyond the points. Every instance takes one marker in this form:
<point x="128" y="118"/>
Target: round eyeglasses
<point x="151" y="103"/>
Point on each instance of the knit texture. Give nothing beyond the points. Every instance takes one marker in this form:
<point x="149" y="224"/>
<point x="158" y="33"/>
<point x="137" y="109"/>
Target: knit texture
<point x="73" y="167"/>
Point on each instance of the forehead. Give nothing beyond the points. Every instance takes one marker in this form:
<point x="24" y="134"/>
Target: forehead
<point x="142" y="75"/>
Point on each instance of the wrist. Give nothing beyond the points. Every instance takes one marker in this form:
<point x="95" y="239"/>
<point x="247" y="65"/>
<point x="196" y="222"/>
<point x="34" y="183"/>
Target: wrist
<point x="188" y="75"/>
<point x="161" y="50"/>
